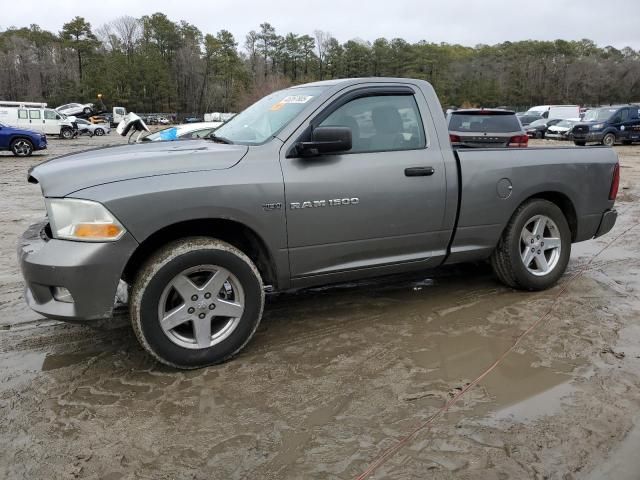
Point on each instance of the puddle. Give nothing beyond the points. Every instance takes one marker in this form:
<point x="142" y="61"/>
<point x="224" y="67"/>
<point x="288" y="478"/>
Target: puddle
<point x="623" y="462"/>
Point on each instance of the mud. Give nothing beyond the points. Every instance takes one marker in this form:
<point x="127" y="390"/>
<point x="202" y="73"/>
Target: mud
<point x="336" y="377"/>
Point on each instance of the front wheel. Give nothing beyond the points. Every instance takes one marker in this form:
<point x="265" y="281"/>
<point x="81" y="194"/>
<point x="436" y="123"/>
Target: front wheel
<point x="66" y="133"/>
<point x="534" y="249"/>
<point x="86" y="110"/>
<point x="21" y="147"/>
<point x="196" y="302"/>
<point x="609" y="140"/>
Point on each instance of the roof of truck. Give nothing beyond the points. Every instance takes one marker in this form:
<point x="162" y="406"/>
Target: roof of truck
<point x="338" y="81"/>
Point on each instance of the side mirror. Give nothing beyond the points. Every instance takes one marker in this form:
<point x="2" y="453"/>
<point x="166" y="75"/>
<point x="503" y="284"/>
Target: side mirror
<point x="326" y="140"/>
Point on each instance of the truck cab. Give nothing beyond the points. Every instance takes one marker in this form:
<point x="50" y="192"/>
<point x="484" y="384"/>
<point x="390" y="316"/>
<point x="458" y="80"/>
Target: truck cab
<point x="609" y="125"/>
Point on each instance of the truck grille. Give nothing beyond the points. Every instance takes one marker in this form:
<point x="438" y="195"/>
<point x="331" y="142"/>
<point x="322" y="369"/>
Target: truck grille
<point x="581" y="129"/>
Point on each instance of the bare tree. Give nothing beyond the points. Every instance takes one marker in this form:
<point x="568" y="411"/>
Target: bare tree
<point x="322" y="42"/>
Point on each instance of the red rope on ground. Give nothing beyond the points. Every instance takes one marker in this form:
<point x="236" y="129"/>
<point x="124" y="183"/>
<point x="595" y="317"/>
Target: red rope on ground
<point x="382" y="459"/>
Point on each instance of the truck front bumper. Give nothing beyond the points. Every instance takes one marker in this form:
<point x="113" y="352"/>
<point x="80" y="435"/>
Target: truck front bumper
<point x="606" y="224"/>
<point x="89" y="272"/>
<point x="588" y="137"/>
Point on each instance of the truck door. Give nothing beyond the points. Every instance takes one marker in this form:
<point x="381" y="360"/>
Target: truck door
<point x="378" y="205"/>
<point x="36" y="120"/>
<point x="633" y="125"/>
<point x="23" y="118"/>
<point x="51" y="122"/>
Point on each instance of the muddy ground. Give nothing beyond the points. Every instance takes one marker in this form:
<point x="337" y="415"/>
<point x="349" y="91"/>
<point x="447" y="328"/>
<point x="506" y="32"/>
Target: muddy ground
<point x="341" y="382"/>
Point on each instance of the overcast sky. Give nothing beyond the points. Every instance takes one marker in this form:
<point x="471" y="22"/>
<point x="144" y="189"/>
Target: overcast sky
<point x="466" y="22"/>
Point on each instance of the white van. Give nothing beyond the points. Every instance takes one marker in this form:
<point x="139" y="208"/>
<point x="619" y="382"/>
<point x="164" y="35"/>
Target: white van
<point x="35" y="116"/>
<point x="562" y="112"/>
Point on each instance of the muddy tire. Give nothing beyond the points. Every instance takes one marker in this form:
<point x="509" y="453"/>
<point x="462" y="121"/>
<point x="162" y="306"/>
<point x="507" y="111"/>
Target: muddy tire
<point x="609" y="140"/>
<point x="196" y="302"/>
<point x="22" y="147"/>
<point x="534" y="249"/>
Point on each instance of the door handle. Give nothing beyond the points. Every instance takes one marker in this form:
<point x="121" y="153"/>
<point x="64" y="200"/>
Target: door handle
<point x="419" y="171"/>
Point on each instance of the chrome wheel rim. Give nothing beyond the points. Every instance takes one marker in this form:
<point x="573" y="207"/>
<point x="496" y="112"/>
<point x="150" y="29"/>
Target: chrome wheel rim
<point x="540" y="245"/>
<point x="201" y="306"/>
<point x="22" y="148"/>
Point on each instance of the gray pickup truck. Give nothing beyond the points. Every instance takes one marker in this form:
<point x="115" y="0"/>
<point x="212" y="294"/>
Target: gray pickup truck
<point x="319" y="183"/>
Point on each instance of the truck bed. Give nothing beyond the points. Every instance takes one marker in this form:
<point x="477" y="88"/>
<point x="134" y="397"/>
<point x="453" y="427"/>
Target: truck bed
<point x="493" y="182"/>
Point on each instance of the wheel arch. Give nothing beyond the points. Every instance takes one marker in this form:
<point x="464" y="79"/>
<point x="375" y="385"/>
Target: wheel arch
<point x="563" y="202"/>
<point x="237" y="234"/>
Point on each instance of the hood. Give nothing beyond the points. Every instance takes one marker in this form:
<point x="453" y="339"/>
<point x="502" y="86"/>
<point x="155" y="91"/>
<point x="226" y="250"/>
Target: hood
<point x="64" y="175"/>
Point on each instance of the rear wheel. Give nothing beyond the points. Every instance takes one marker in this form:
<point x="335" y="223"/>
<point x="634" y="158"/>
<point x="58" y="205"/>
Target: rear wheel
<point x="534" y="249"/>
<point x="609" y="140"/>
<point x="99" y="132"/>
<point x="21" y="147"/>
<point x="86" y="110"/>
<point x="196" y="302"/>
<point x="580" y="144"/>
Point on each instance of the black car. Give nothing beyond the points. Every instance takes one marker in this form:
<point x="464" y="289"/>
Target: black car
<point x="538" y="128"/>
<point x="485" y="128"/>
<point x="608" y="125"/>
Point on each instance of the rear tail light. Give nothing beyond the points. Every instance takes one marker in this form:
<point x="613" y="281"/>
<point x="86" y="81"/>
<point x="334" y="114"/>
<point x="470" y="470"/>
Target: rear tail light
<point x="615" y="182"/>
<point x="454" y="138"/>
<point x="519" y="141"/>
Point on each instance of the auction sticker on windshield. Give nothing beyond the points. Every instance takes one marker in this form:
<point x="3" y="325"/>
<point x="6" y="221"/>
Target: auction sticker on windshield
<point x="291" y="99"/>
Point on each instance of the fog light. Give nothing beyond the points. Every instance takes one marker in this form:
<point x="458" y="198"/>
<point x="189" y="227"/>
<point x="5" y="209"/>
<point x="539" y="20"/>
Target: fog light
<point x="61" y="294"/>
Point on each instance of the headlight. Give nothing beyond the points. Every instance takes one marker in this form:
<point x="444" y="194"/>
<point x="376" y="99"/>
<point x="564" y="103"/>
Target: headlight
<point x="84" y="220"/>
<point x="597" y="126"/>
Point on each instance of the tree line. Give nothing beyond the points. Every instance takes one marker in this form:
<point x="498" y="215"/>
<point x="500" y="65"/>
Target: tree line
<point x="153" y="64"/>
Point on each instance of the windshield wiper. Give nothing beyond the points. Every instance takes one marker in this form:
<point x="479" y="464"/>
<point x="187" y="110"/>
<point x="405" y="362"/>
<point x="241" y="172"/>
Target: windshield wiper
<point x="218" y="139"/>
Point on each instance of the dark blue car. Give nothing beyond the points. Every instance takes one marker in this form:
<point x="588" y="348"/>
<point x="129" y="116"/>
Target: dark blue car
<point x="21" y="142"/>
<point x="609" y="125"/>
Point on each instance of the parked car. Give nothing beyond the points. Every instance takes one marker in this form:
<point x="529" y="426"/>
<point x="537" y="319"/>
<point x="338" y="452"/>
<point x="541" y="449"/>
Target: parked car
<point x="538" y="128"/>
<point x="98" y="129"/>
<point x="527" y="118"/>
<point x="562" y="112"/>
<point x="99" y="119"/>
<point x="163" y="121"/>
<point x="277" y="198"/>
<point x="608" y="125"/>
<point x="192" y="120"/>
<point x="21" y="142"/>
<point x="76" y="109"/>
<point x="562" y="130"/>
<point x="36" y="116"/>
<point x="485" y="128"/>
<point x="181" y="132"/>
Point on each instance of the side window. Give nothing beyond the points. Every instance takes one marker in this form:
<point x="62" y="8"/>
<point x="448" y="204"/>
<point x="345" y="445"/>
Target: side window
<point x="22" y="114"/>
<point x="49" y="115"/>
<point x="624" y="115"/>
<point x="34" y="114"/>
<point x="381" y="123"/>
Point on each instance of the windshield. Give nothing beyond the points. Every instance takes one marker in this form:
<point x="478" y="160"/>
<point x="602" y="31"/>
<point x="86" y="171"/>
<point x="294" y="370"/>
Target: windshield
<point x="495" y="123"/>
<point x="537" y="123"/>
<point x="599" y="114"/>
<point x="265" y="118"/>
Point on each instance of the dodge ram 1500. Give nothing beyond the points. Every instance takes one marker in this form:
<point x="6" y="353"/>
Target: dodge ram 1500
<point x="319" y="183"/>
